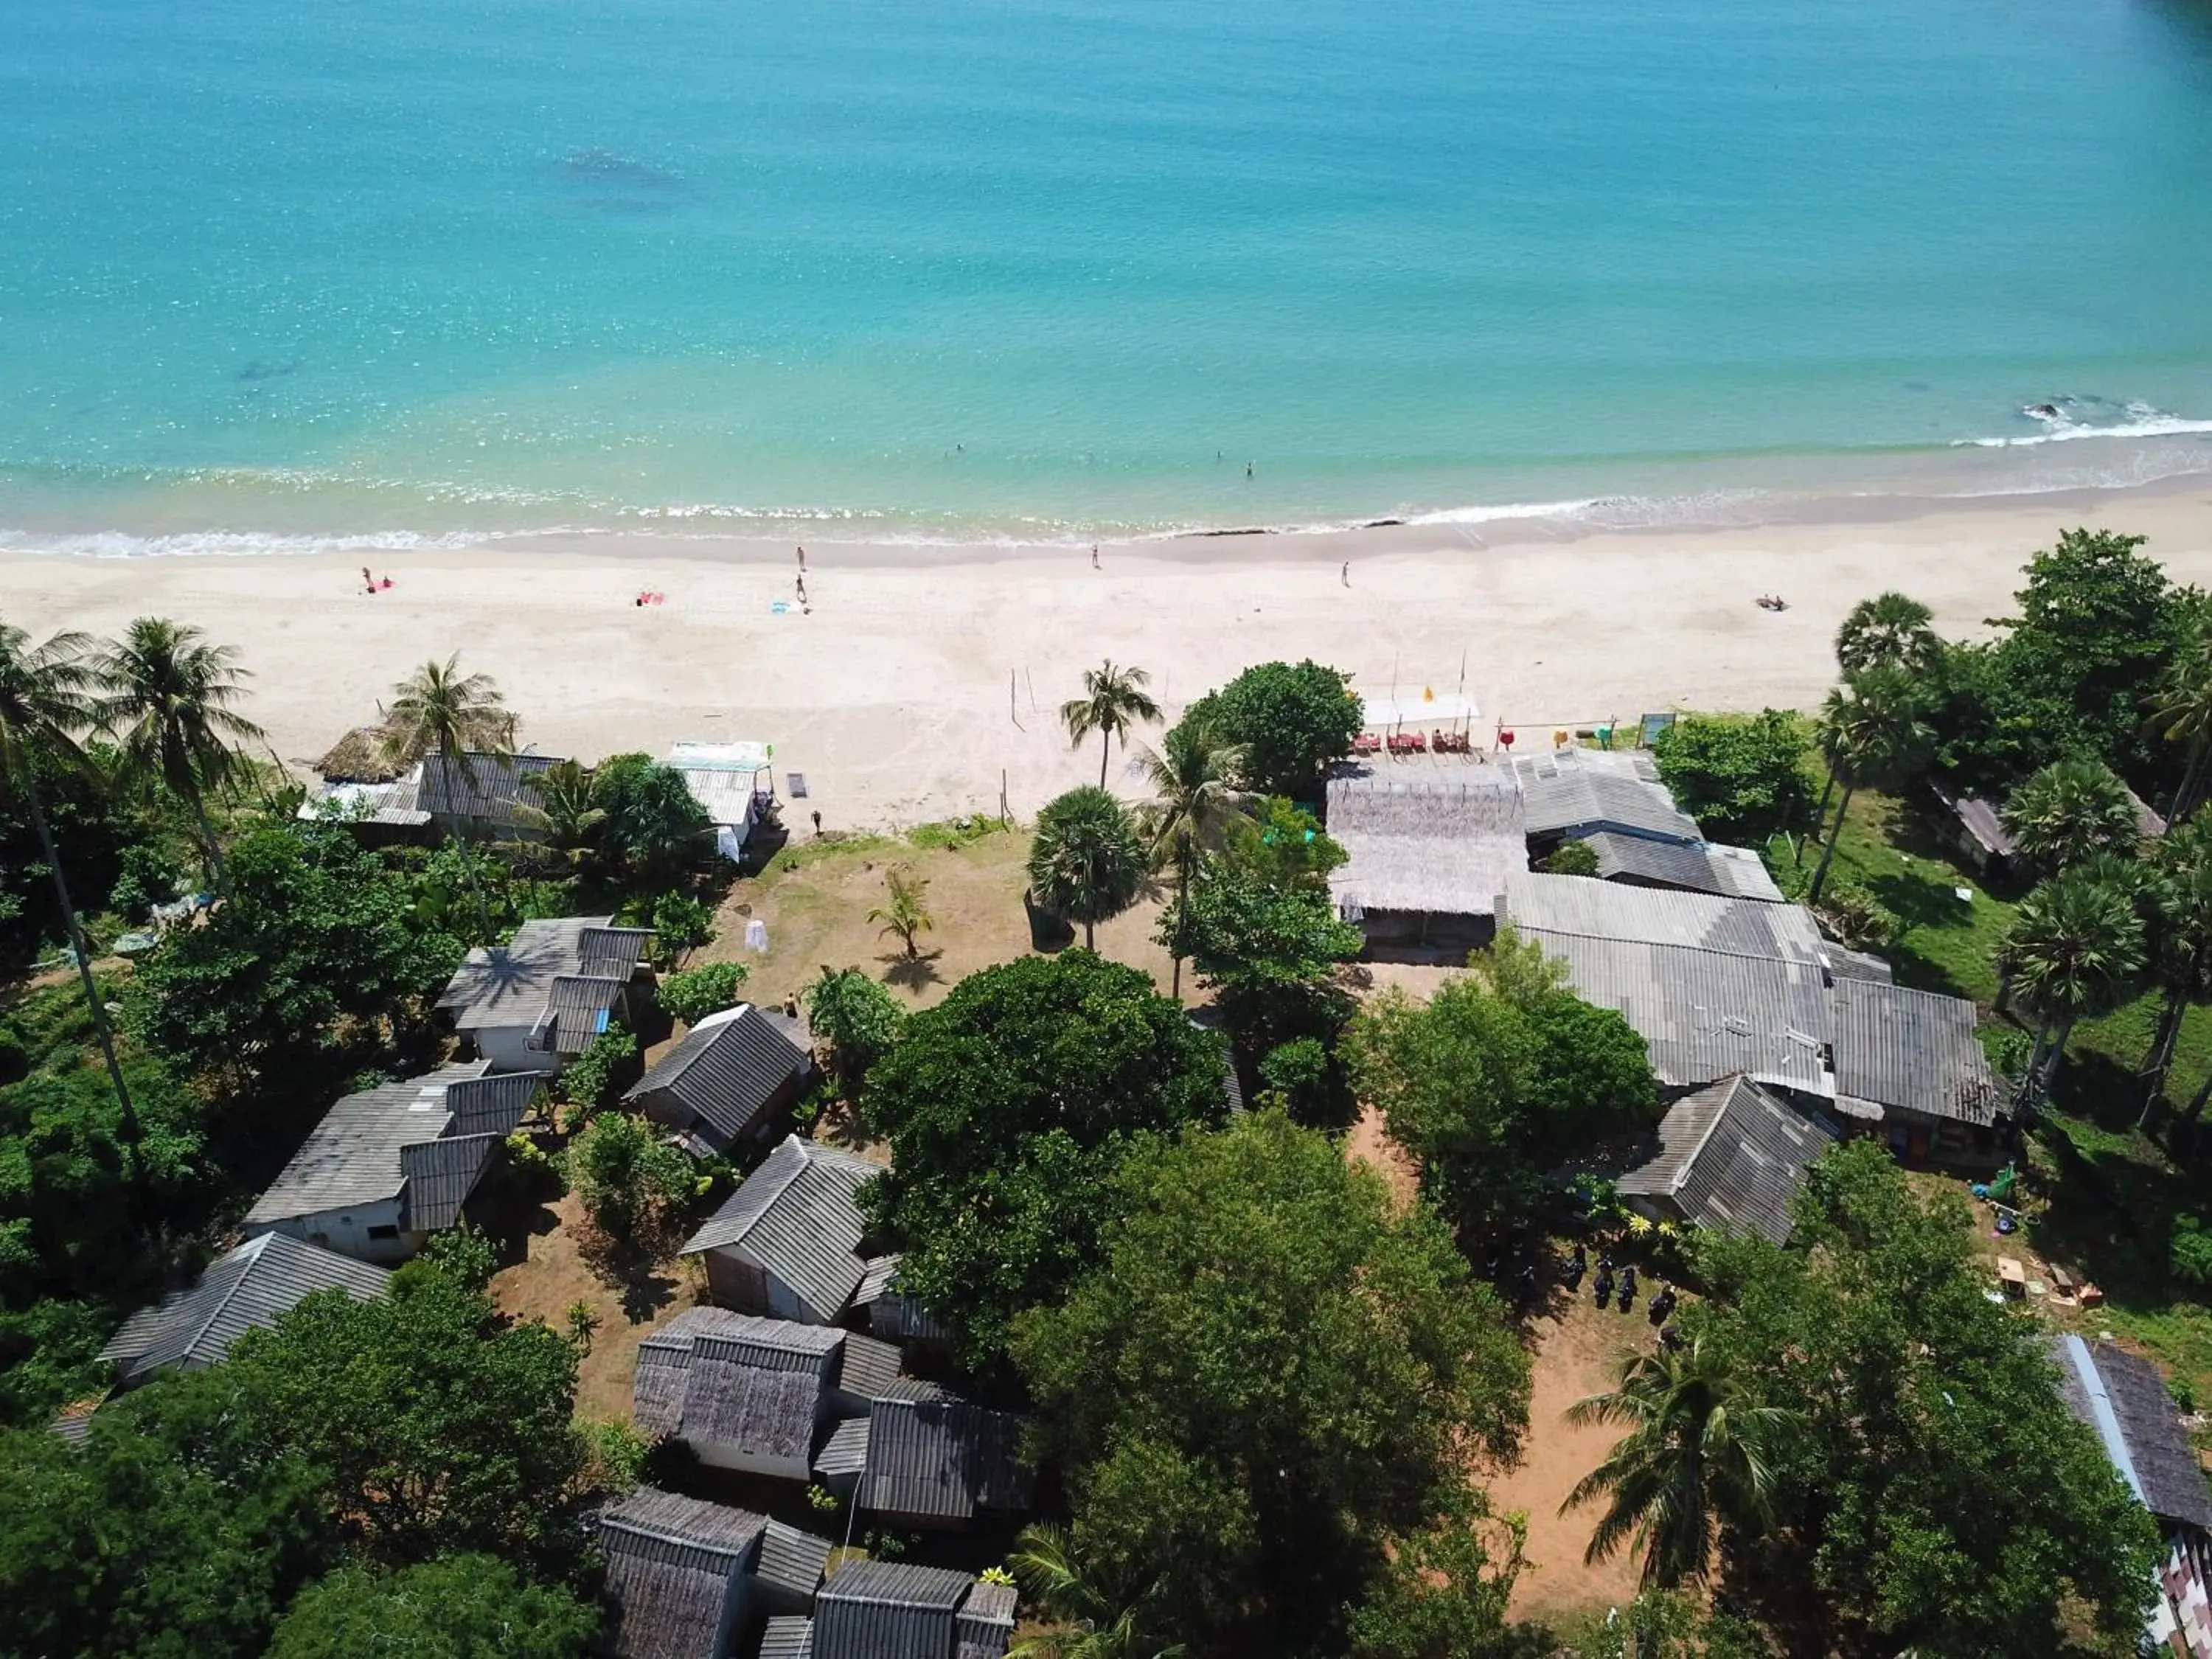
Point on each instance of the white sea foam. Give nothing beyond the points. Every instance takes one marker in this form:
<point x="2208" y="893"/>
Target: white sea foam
<point x="2065" y="425"/>
<point x="122" y="544"/>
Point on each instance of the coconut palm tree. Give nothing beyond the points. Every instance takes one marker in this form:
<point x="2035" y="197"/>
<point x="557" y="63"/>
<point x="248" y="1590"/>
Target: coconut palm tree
<point x="1889" y="630"/>
<point x="1091" y="1620"/>
<point x="45" y="700"/>
<point x="2074" y="951"/>
<point x="2181" y="712"/>
<point x="438" y="710"/>
<point x="1113" y="700"/>
<point x="1193" y="800"/>
<point x="564" y="811"/>
<point x="907" y="915"/>
<point x="167" y="695"/>
<point x="1086" y="860"/>
<point x="2069" y="811"/>
<point x="2178" y="895"/>
<point x="1699" y="1451"/>
<point x="1873" y="736"/>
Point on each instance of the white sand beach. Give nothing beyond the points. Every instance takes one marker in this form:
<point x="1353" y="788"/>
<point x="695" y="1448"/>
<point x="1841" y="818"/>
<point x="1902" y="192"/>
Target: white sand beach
<point x="922" y="675"/>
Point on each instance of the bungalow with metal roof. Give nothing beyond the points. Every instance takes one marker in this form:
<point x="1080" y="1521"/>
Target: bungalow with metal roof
<point x="925" y="1457"/>
<point x="755" y="1395"/>
<point x="477" y="794"/>
<point x="537" y="1001"/>
<point x="893" y="1314"/>
<point x="731" y="1077"/>
<point x="1701" y="866"/>
<point x="734" y="784"/>
<point x="389" y="1166"/>
<point x="896" y="1610"/>
<point x="1426" y="855"/>
<point x="1717" y="985"/>
<point x="684" y="1576"/>
<point x="251" y="1288"/>
<point x="1572" y="794"/>
<point x="2125" y="1401"/>
<point x="1729" y="1155"/>
<point x="788" y="1242"/>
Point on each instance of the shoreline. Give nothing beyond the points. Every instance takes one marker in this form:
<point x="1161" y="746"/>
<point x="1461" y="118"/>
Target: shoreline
<point x="925" y="675"/>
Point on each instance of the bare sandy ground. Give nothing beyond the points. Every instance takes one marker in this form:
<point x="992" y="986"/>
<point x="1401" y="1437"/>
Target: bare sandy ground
<point x="923" y="677"/>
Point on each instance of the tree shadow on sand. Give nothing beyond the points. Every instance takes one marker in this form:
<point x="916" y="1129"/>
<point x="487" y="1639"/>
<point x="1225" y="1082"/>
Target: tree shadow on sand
<point x="911" y="973"/>
<point x="639" y="1265"/>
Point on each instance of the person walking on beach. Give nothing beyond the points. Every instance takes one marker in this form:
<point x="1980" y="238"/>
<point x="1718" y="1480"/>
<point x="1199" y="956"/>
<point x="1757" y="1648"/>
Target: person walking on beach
<point x="802" y="587"/>
<point x="802" y="558"/>
<point x="1094" y="555"/>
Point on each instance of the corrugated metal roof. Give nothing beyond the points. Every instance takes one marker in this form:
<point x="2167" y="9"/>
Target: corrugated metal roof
<point x="1730" y="1155"/>
<point x="845" y="1452"/>
<point x="252" y="1287"/>
<point x="673" y="1566"/>
<point x="724" y="778"/>
<point x="1434" y="844"/>
<point x="1590" y="789"/>
<point x="724" y="1073"/>
<point x="509" y="985"/>
<point x="354" y="1156"/>
<point x="1912" y="1050"/>
<point x="1604" y="910"/>
<point x="2122" y="1397"/>
<point x="869" y="1366"/>
<point x="935" y="1454"/>
<point x="788" y="1639"/>
<point x="1695" y="867"/>
<point x="985" y="1623"/>
<point x="793" y="1559"/>
<point x="1859" y="964"/>
<point x="735" y="1379"/>
<point x="495" y="1104"/>
<point x="797" y="1217"/>
<point x="580" y="1008"/>
<point x="1703" y="1014"/>
<point x="441" y="1175"/>
<point x="751" y="1410"/>
<point x="477" y="786"/>
<point x="888" y="1610"/>
<point x="1979" y="818"/>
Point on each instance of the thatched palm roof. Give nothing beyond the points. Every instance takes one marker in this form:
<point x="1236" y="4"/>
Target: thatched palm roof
<point x="358" y="757"/>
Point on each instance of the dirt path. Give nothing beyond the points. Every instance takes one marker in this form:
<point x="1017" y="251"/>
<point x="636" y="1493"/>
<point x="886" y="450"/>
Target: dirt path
<point x="1576" y="1355"/>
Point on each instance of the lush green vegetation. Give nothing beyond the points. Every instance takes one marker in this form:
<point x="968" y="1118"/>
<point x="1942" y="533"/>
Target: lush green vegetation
<point x="1286" y="722"/>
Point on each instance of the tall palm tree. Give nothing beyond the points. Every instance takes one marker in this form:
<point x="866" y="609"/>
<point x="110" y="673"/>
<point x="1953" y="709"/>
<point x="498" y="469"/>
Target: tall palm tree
<point x="2074" y="951"/>
<point x="2181" y="712"/>
<point x="45" y="702"/>
<point x="2179" y="943"/>
<point x="1091" y="1620"/>
<point x="1113" y="700"/>
<point x="1086" y="862"/>
<point x="438" y="710"/>
<point x="167" y="695"/>
<point x="1873" y="736"/>
<point x="1699" y="1451"/>
<point x="1889" y="630"/>
<point x="1195" y="797"/>
<point x="2070" y="811"/>
<point x="563" y="810"/>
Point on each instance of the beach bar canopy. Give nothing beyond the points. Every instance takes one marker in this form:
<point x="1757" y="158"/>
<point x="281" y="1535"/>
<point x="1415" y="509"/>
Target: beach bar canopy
<point x="1430" y="709"/>
<point x="728" y="779"/>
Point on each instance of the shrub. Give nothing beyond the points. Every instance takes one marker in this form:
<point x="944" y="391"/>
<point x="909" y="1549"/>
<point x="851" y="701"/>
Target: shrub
<point x="1573" y="858"/>
<point x="691" y="996"/>
<point x="1858" y="918"/>
<point x="596" y="1078"/>
<point x="622" y="1171"/>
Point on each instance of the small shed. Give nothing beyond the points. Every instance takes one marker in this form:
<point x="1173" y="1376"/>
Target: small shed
<point x="1730" y="1155"/>
<point x="251" y="1288"/>
<point x="935" y="1460"/>
<point x="1426" y="855"/>
<point x="893" y="1314"/>
<point x="899" y="1610"/>
<point x="684" y="1576"/>
<point x="734" y="784"/>
<point x="1976" y="829"/>
<point x="731" y="1077"/>
<point x="788" y="1242"/>
<point x="359" y="756"/>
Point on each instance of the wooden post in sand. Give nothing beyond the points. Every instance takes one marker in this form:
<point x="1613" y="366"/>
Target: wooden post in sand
<point x="1013" y="708"/>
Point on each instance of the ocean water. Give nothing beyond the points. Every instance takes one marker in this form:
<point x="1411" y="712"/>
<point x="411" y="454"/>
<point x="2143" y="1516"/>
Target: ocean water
<point x="396" y="271"/>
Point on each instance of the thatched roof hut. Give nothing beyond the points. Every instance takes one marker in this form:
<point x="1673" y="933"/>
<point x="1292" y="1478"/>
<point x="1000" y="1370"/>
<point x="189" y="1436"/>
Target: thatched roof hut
<point x="358" y="757"/>
<point x="1428" y="844"/>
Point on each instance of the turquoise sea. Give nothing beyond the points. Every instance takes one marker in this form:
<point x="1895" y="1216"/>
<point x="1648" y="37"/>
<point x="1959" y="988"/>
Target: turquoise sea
<point x="396" y="271"/>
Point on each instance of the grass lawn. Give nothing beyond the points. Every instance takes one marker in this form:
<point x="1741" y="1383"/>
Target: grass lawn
<point x="2113" y="1191"/>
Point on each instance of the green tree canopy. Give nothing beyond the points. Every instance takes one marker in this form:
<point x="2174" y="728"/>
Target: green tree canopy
<point x="1007" y="1107"/>
<point x="436" y="1426"/>
<point x="1500" y="1076"/>
<point x="1290" y="722"/>
<point x="315" y="933"/>
<point x="1891" y="629"/>
<point x="1282" y="844"/>
<point x="1270" y="953"/>
<point x="653" y="823"/>
<point x="857" y="1019"/>
<point x="1271" y="1372"/>
<point x="2070" y="811"/>
<point x="1086" y="860"/>
<point x="462" y="1607"/>
<point x="1906" y="1515"/>
<point x="691" y="996"/>
<point x="621" y="1169"/>
<point x="1742" y="777"/>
